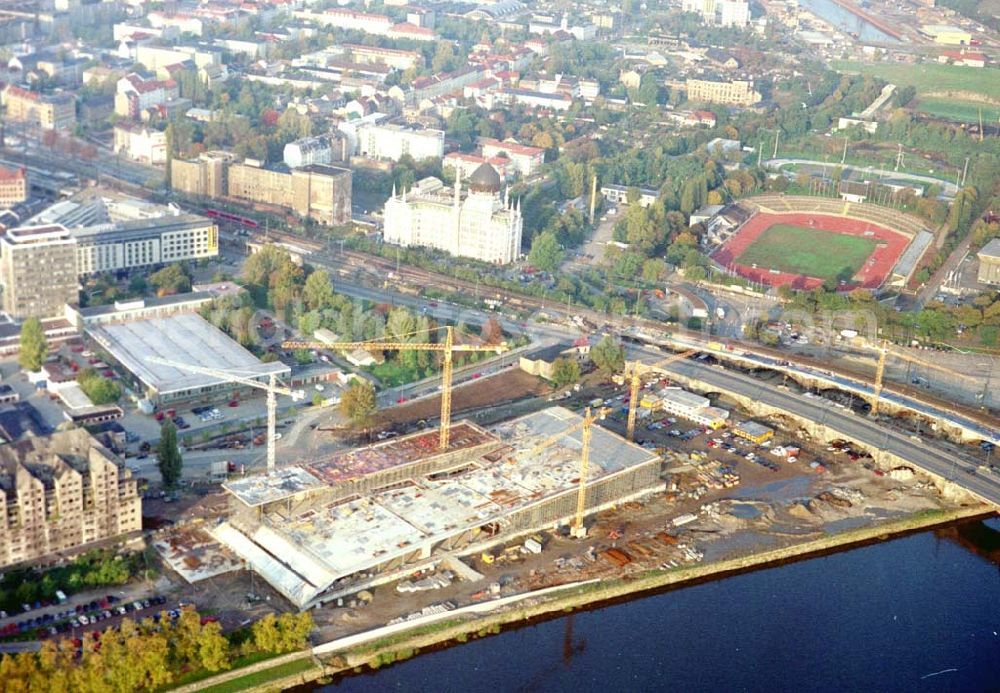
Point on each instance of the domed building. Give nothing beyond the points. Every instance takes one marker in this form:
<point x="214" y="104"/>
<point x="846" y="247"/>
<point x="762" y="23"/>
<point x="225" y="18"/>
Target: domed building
<point x="482" y="223"/>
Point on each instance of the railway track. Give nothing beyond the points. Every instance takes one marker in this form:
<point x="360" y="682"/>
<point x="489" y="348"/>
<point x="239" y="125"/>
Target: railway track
<point x="428" y="278"/>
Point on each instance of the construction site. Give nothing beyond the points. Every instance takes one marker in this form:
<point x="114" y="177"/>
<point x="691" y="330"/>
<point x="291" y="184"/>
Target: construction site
<point x="327" y="528"/>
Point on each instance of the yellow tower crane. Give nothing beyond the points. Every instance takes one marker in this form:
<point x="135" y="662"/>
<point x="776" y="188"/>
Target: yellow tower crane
<point x="578" y="529"/>
<point x="879" y="373"/>
<point x="271" y="387"/>
<point x="634" y="371"/>
<point x="885" y="350"/>
<point x="447" y="348"/>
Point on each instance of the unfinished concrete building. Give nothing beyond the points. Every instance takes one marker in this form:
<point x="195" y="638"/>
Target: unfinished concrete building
<point x="326" y="528"/>
<point x="61" y="492"/>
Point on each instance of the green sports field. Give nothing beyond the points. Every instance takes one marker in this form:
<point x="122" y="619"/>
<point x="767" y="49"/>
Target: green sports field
<point x="812" y="252"/>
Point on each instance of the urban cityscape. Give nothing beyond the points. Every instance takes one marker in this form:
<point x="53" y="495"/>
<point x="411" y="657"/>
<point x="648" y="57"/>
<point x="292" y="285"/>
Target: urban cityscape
<point x="427" y="343"/>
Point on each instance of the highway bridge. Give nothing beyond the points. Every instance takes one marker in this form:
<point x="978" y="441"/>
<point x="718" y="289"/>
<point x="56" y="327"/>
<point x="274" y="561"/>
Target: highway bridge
<point x="863" y="430"/>
<point x="973" y="424"/>
<point x="748" y="357"/>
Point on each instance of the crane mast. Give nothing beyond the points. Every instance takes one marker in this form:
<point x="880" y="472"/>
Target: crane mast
<point x="448" y="348"/>
<point x="272" y="388"/>
<point x="636" y="371"/>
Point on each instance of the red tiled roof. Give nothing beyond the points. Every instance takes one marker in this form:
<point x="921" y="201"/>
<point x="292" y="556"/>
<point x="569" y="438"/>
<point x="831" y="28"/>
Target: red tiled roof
<point x="7" y="174"/>
<point x="407" y="28"/>
<point x="514" y="147"/>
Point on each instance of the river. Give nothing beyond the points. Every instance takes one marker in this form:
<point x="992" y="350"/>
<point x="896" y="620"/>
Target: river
<point x="837" y="16"/>
<point x="916" y="613"/>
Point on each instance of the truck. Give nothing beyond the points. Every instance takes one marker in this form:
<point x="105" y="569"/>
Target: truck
<point x="720" y="312"/>
<point x="848" y="334"/>
<point x="699" y="312"/>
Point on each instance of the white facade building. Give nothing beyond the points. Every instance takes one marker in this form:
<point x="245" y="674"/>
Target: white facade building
<point x="394" y="141"/>
<point x="527" y="160"/>
<point x="140" y="143"/>
<point x="721" y="12"/>
<point x="144" y="243"/>
<point x="308" y="151"/>
<point x="733" y="13"/>
<point x="484" y="225"/>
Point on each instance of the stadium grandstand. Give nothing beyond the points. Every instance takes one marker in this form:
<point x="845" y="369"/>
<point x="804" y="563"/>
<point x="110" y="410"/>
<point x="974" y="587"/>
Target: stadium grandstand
<point x="913" y="230"/>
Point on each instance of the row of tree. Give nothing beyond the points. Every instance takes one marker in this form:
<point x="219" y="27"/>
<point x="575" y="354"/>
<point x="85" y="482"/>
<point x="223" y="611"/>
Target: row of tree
<point x="147" y="655"/>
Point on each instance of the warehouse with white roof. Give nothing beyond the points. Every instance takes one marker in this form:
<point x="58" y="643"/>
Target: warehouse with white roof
<point x="184" y="338"/>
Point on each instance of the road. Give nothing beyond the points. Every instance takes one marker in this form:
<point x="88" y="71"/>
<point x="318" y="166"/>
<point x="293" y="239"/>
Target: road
<point x="859" y="387"/>
<point x="867" y="431"/>
<point x="981" y="426"/>
<point x="858" y="428"/>
<point x="933" y="284"/>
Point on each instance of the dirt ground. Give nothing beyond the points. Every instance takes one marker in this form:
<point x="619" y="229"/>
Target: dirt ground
<point x="511" y="386"/>
<point x="766" y="507"/>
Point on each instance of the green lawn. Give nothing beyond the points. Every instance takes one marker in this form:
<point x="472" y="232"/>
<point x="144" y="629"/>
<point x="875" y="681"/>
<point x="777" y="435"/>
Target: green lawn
<point x="812" y="252"/>
<point x="959" y="111"/>
<point x="261" y="678"/>
<point x="930" y="77"/>
<point x="939" y="87"/>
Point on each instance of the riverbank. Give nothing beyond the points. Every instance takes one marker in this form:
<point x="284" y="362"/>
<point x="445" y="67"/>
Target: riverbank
<point x="382" y="646"/>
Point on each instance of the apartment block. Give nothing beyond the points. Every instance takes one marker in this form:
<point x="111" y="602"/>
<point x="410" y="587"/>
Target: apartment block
<point x="319" y="192"/>
<point x="376" y="55"/>
<point x="38" y="271"/>
<point x="62" y="492"/>
<point x="396" y="141"/>
<point x="136" y="94"/>
<point x="527" y="160"/>
<point x="205" y="176"/>
<point x="322" y="149"/>
<point x="734" y="93"/>
<point x="154" y="57"/>
<point x="13" y="187"/>
<point x="45" y="111"/>
<point x="720" y="12"/>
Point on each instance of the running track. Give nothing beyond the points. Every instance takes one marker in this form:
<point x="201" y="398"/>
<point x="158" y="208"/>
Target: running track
<point x="871" y="275"/>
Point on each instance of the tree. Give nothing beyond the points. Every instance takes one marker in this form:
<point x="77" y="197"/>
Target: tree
<point x="400" y="325"/>
<point x="444" y="59"/>
<point x="358" y="403"/>
<point x="545" y="253"/>
<point x="266" y="637"/>
<point x="988" y="335"/>
<point x="213" y="648"/>
<point x="492" y="332"/>
<point x="318" y="290"/>
<point x="565" y="372"/>
<point x="168" y="456"/>
<point x="171" y="280"/>
<point x="137" y="284"/>
<point x="34" y="348"/>
<point x="293" y="631"/>
<point x="608" y="355"/>
<point x="99" y="390"/>
<point x="653" y="270"/>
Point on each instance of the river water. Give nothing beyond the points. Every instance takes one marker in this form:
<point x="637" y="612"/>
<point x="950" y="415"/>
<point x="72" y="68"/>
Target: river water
<point x="920" y="613"/>
<point x="837" y="16"/>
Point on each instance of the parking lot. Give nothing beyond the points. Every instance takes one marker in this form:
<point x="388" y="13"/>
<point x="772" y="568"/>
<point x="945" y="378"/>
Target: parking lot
<point x="44" y="620"/>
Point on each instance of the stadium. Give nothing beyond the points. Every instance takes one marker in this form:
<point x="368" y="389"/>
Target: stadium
<point x="804" y="242"/>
